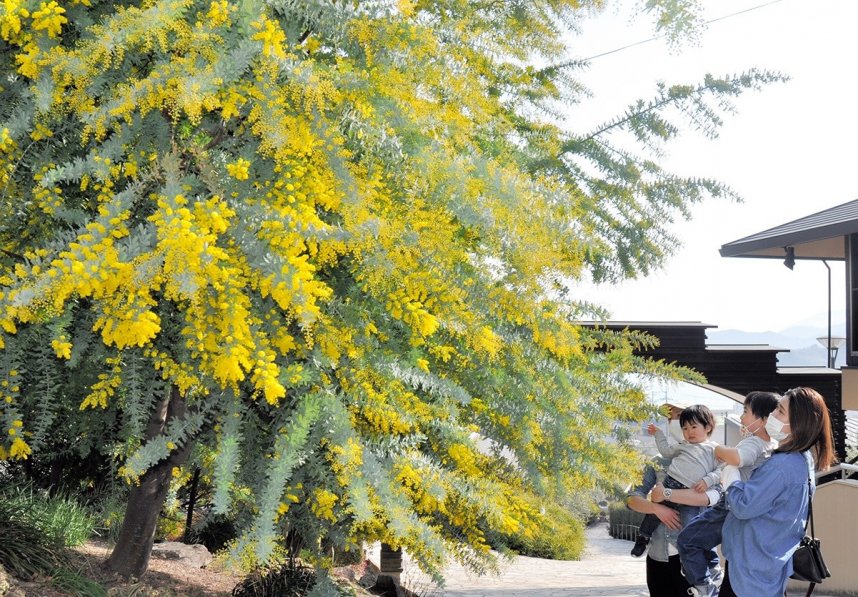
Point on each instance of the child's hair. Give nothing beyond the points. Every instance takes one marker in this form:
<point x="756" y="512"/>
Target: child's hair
<point x="761" y="404"/>
<point x="698" y="413"/>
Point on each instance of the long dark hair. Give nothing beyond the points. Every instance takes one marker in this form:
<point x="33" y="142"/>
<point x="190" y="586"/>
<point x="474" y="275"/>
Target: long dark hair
<point x="810" y="426"/>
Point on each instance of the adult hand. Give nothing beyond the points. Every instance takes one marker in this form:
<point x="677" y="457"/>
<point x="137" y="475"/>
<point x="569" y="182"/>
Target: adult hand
<point x="668" y="516"/>
<point x="657" y="494"/>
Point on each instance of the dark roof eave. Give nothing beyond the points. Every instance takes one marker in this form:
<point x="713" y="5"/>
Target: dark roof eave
<point x="746" y="246"/>
<point x="811" y="232"/>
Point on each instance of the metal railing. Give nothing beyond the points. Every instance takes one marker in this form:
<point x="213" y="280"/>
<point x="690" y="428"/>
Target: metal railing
<point x="626" y="532"/>
<point x="845" y="470"/>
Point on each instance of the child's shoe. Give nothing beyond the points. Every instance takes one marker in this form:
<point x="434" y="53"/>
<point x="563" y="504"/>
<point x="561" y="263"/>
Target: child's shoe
<point x="716" y="575"/>
<point x="707" y="590"/>
<point x="640" y="546"/>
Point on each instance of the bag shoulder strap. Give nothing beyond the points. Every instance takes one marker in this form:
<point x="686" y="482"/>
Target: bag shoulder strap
<point x="809" y="590"/>
<point x="809" y="510"/>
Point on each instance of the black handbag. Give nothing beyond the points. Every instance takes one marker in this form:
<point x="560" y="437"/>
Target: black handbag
<point x="807" y="561"/>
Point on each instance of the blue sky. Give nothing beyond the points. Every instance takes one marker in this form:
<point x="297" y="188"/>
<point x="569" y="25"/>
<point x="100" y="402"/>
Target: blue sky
<point x="789" y="151"/>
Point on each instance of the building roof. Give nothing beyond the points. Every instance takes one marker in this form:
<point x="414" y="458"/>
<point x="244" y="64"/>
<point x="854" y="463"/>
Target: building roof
<point x="807" y="371"/>
<point x="817" y="236"/>
<point x="613" y="323"/>
<point x="746" y="347"/>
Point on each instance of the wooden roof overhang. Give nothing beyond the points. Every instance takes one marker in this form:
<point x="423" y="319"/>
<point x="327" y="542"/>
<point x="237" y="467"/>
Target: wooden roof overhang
<point x="817" y="236"/>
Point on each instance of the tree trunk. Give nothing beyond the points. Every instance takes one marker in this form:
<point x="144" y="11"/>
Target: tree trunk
<point x="56" y="476"/>
<point x="130" y="557"/>
<point x="192" y="500"/>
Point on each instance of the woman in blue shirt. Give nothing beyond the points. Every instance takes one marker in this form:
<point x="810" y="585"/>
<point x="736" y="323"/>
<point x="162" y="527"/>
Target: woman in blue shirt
<point x="768" y="511"/>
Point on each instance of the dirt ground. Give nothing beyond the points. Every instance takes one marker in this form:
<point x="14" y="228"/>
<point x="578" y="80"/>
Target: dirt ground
<point x="164" y="578"/>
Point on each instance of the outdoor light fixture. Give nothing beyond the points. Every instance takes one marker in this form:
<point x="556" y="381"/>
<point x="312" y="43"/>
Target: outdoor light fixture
<point x="833" y="344"/>
<point x="789" y="261"/>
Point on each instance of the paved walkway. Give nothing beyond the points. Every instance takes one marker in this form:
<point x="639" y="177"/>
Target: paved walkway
<point x="606" y="569"/>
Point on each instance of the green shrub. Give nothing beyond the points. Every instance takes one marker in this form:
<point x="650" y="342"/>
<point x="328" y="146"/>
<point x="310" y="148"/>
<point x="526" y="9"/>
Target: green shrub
<point x="66" y="521"/>
<point x="59" y="518"/>
<point x="25" y="551"/>
<point x="215" y="532"/>
<point x="559" y="536"/>
<point x="35" y="527"/>
<point x="170" y="527"/>
<point x="623" y="522"/>
<point x="74" y="583"/>
<point x="288" y="581"/>
<point x="109" y="513"/>
<point x="240" y="556"/>
<point x="282" y="580"/>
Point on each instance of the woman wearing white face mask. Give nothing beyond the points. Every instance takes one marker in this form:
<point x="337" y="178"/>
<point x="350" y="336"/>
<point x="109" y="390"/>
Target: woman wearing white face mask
<point x="768" y="511"/>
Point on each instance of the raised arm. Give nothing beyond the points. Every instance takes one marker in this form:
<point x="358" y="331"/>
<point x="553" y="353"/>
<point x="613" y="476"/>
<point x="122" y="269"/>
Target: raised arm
<point x="728" y="455"/>
<point x="665" y="447"/>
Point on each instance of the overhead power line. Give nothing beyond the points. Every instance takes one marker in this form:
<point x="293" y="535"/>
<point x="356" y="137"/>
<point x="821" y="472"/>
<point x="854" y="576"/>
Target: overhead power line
<point x="644" y="41"/>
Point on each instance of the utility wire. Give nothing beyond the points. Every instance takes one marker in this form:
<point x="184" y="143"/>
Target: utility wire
<point x="644" y="41"/>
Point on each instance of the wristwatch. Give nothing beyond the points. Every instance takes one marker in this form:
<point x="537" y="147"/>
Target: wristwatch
<point x="667" y="492"/>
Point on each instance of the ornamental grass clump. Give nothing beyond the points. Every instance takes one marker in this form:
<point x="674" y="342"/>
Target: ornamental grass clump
<point x="288" y="581"/>
<point x="60" y="519"/>
<point x="25" y="551"/>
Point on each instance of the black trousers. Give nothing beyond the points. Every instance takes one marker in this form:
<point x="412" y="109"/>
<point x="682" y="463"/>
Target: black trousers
<point x="664" y="579"/>
<point x="726" y="587"/>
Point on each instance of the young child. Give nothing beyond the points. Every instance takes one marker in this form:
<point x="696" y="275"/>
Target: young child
<point x="692" y="463"/>
<point x="703" y="533"/>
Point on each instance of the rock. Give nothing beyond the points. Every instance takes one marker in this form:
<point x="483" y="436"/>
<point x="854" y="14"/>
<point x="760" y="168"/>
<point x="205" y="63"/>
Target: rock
<point x="346" y="572"/>
<point x="192" y="555"/>
<point x="7" y="585"/>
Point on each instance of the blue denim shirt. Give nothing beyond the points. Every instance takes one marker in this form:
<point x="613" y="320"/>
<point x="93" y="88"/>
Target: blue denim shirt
<point x="766" y="522"/>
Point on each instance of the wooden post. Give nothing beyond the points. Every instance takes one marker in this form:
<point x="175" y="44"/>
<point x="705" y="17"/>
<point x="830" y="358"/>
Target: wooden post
<point x="390" y="562"/>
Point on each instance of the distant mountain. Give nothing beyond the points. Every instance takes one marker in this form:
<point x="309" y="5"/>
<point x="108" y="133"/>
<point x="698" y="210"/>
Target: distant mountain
<point x="800" y="340"/>
<point x="794" y="337"/>
<point x="820" y="319"/>
<point x="813" y="356"/>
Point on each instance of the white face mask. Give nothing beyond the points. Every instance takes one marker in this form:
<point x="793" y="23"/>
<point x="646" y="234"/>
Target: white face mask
<point x="775" y="429"/>
<point x="745" y="431"/>
<point x="675" y="430"/>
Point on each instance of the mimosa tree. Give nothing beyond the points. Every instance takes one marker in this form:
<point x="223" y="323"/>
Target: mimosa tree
<point x="336" y="243"/>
